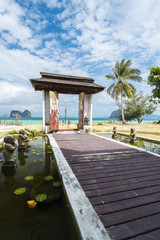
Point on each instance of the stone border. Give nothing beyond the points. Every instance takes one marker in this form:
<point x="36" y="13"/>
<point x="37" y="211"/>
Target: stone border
<point x="140" y="149"/>
<point x="89" y="225"/>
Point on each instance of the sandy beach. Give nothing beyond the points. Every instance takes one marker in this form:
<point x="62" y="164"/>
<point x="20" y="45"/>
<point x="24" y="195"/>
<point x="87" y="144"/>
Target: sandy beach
<point x="5" y="129"/>
<point x="146" y="130"/>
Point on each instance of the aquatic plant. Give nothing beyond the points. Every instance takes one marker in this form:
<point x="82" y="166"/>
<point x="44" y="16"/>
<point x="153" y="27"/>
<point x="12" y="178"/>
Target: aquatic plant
<point x="56" y="184"/>
<point x="20" y="191"/>
<point x="28" y="178"/>
<point x="41" y="197"/>
<point x="49" y="177"/>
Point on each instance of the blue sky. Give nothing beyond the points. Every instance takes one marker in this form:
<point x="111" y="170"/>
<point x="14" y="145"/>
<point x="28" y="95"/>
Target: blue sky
<point x="76" y="37"/>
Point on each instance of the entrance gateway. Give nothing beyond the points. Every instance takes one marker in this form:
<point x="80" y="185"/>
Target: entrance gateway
<point x="52" y="84"/>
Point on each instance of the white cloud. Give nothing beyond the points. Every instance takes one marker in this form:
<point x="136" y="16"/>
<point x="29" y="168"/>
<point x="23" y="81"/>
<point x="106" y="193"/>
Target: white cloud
<point x="10" y="16"/>
<point x="9" y="91"/>
<point x="83" y="38"/>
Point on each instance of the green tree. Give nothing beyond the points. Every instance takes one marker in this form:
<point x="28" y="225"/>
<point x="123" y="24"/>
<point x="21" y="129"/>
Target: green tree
<point x="137" y="107"/>
<point x="122" y="73"/>
<point x="154" y="80"/>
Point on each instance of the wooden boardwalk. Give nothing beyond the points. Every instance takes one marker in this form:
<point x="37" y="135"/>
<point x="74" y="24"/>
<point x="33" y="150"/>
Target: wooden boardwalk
<point x="122" y="183"/>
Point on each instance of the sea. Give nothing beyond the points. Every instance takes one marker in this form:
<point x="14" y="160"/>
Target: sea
<point x="39" y="121"/>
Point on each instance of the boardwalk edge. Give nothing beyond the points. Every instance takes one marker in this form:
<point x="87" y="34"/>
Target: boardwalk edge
<point x="124" y="144"/>
<point x="89" y="225"/>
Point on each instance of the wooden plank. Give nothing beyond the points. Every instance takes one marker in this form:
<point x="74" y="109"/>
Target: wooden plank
<point x="118" y="189"/>
<point x="111" y="170"/>
<point x="135" y="228"/>
<point x="109" y="167"/>
<point x="120" y="182"/>
<point x="114" y="197"/>
<point x="122" y="173"/>
<point x="125" y="216"/>
<point x="113" y="162"/>
<point x="153" y="235"/>
<point x="105" y="178"/>
<point x="127" y="203"/>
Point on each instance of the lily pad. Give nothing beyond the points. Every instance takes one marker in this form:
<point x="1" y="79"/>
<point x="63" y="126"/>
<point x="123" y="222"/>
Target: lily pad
<point x="20" y="191"/>
<point x="56" y="184"/>
<point x="28" y="178"/>
<point x="41" y="197"/>
<point x="49" y="177"/>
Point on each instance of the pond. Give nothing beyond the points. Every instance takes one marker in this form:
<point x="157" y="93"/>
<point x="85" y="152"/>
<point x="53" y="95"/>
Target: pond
<point x="146" y="145"/>
<point x="50" y="220"/>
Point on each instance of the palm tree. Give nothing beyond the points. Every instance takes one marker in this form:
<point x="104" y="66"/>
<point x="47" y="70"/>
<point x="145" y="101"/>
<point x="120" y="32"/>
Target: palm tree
<point x="123" y="72"/>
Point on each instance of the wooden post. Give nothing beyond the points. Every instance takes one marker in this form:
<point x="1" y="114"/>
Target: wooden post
<point x="54" y="111"/>
<point x="81" y="111"/>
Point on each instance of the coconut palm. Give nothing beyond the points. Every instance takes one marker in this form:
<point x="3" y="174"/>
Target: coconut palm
<point x="123" y="72"/>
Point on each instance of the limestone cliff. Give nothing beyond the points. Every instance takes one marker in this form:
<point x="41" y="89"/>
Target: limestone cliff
<point x="25" y="114"/>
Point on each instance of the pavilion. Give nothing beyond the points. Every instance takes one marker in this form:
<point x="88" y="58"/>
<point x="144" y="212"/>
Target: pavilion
<point x="52" y="84"/>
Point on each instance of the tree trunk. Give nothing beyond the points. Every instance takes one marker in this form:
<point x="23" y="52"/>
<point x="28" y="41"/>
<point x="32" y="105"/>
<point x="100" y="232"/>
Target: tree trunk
<point x="122" y="110"/>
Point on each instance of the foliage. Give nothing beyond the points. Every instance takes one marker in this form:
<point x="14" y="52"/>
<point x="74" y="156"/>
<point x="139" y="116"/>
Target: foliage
<point x="122" y="73"/>
<point x="28" y="178"/>
<point x="109" y="121"/>
<point x="96" y="130"/>
<point x="13" y="132"/>
<point x="41" y="197"/>
<point x="154" y="80"/>
<point x="20" y="191"/>
<point x="137" y="107"/>
<point x="49" y="177"/>
<point x="99" y="123"/>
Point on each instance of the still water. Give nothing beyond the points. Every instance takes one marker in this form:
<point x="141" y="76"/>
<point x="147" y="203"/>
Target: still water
<point x="146" y="145"/>
<point x="48" y="221"/>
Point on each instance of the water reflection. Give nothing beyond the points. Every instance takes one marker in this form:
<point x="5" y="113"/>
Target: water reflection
<point x="45" y="221"/>
<point x="146" y="145"/>
<point x="22" y="156"/>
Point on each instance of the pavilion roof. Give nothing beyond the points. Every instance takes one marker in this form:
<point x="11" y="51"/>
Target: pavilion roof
<point x="65" y="84"/>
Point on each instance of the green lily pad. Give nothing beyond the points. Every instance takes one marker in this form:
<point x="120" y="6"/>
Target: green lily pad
<point x="41" y="197"/>
<point x="56" y="184"/>
<point x="41" y="160"/>
<point x="49" y="177"/>
<point x="20" y="191"/>
<point x="28" y="178"/>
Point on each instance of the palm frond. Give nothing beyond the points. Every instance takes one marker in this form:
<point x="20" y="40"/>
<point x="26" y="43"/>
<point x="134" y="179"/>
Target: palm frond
<point x="110" y="76"/>
<point x="116" y="92"/>
<point x="115" y="73"/>
<point x="111" y="88"/>
<point x="127" y="64"/>
<point x="128" y="89"/>
<point x="116" y="67"/>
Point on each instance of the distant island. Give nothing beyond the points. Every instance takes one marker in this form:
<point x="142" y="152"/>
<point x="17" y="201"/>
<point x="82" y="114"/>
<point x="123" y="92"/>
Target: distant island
<point x="115" y="114"/>
<point x="25" y="114"/>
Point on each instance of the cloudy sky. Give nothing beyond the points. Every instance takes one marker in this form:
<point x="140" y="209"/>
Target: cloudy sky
<point x="76" y="37"/>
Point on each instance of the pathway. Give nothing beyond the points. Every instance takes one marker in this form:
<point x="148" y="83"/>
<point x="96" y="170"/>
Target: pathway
<point x="122" y="183"/>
